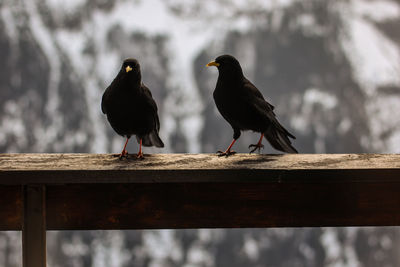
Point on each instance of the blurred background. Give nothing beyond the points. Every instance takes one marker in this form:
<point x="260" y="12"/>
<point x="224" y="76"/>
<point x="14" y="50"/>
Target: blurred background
<point x="331" y="68"/>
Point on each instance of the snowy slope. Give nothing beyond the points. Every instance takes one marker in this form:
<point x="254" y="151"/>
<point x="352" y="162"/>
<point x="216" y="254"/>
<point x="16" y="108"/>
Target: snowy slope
<point x="331" y="69"/>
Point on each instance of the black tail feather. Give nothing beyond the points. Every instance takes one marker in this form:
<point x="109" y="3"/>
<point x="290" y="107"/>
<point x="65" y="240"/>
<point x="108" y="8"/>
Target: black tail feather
<point x="152" y="139"/>
<point x="278" y="138"/>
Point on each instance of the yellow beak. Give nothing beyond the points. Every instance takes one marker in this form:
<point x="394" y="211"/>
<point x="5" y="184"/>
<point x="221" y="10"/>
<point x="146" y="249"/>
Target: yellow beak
<point x="128" y="69"/>
<point x="212" y="63"/>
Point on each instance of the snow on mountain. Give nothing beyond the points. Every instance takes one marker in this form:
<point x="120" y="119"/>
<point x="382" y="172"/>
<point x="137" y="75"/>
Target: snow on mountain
<point x="375" y="60"/>
<point x="189" y="30"/>
<point x="331" y="69"/>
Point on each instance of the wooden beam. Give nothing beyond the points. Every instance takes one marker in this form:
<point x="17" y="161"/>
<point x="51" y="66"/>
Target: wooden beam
<point x="34" y="226"/>
<point x="86" y="191"/>
<point x="16" y="169"/>
<point x="231" y="205"/>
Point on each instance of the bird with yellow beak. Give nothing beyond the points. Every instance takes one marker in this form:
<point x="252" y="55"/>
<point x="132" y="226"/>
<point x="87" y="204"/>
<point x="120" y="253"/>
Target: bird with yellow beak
<point x="244" y="107"/>
<point x="131" y="109"/>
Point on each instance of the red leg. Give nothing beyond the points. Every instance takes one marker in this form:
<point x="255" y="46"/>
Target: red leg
<point x="124" y="153"/>
<point x="258" y="146"/>
<point x="140" y="153"/>
<point x="228" y="151"/>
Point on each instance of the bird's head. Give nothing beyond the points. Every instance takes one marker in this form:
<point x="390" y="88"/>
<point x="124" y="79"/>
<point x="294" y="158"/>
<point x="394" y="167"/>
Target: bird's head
<point x="226" y="63"/>
<point x="130" y="66"/>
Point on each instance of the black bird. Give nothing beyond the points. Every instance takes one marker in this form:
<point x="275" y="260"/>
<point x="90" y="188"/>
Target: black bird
<point x="131" y="109"/>
<point x="245" y="108"/>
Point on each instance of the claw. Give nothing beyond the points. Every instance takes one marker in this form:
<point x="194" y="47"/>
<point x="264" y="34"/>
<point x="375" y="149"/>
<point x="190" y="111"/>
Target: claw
<point x="226" y="153"/>
<point x="140" y="156"/>
<point x="256" y="146"/>
<point x="124" y="154"/>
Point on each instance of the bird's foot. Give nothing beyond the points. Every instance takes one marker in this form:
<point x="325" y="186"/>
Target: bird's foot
<point x="140" y="155"/>
<point x="256" y="146"/>
<point x="226" y="153"/>
<point x="124" y="154"/>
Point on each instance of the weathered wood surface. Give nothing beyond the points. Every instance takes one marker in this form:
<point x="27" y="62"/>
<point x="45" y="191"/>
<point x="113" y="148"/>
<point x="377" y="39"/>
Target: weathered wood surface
<point x="216" y="205"/>
<point x="197" y="161"/>
<point x="85" y="191"/>
<point x="105" y="168"/>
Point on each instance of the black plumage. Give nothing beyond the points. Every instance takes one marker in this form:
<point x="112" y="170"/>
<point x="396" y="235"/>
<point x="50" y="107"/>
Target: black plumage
<point x="131" y="109"/>
<point x="245" y="108"/>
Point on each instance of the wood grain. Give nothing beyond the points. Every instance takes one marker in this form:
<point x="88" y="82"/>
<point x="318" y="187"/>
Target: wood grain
<point x="213" y="205"/>
<point x="91" y="191"/>
<point x="197" y="161"/>
<point x="17" y="169"/>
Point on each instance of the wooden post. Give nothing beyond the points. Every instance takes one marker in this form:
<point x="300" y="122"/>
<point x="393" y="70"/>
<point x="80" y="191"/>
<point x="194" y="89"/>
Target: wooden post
<point x="34" y="226"/>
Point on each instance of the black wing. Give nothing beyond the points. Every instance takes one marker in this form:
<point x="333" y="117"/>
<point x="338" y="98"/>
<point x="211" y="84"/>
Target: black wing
<point x="152" y="138"/>
<point x="104" y="100"/>
<point x="255" y="100"/>
<point x="254" y="93"/>
<point x="106" y="95"/>
<point x="152" y="103"/>
<point x="276" y="134"/>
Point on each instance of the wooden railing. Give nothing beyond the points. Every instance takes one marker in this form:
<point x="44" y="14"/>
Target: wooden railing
<point x="40" y="192"/>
